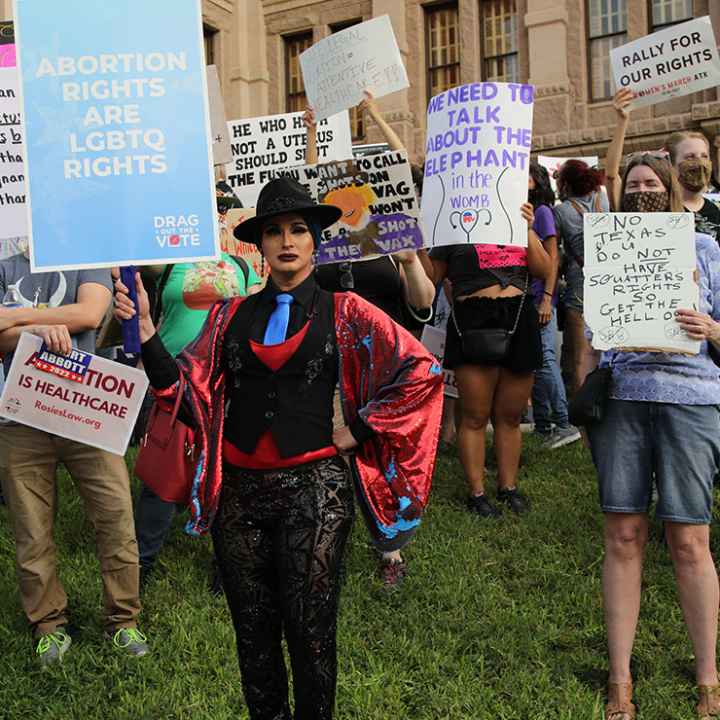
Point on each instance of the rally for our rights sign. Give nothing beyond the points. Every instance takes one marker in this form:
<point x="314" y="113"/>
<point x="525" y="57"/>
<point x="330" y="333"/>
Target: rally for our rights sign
<point x="118" y="139"/>
<point x="476" y="164"/>
<point x="639" y="270"/>
<point x="676" y="61"/>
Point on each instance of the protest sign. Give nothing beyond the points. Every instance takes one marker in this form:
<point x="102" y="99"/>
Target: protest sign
<point x="381" y="212"/>
<point x="678" y="60"/>
<point x="13" y="213"/>
<point x="218" y="119"/>
<point x="247" y="251"/>
<point x="263" y="145"/>
<point x="433" y="338"/>
<point x="7" y="44"/>
<point x="338" y="69"/>
<point x="553" y="165"/>
<point x="639" y="269"/>
<point x="117" y="128"/>
<point x="81" y="397"/>
<point x="476" y="164"/>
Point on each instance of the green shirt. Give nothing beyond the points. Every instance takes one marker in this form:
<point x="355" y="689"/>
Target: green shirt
<point x="190" y="292"/>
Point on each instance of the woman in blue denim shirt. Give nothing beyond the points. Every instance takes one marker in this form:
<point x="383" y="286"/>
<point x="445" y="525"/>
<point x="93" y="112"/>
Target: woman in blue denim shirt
<point x="662" y="425"/>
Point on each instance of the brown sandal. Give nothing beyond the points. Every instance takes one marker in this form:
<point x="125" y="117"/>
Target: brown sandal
<point x="708" y="706"/>
<point x="619" y="703"/>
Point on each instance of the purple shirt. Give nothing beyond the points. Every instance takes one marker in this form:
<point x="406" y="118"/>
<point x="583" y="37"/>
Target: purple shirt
<point x="544" y="227"/>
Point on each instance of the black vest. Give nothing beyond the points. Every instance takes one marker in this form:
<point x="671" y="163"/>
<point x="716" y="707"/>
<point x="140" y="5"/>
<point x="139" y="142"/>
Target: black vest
<point x="295" y="403"/>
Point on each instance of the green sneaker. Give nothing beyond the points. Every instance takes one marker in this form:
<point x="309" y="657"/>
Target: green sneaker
<point x="131" y="641"/>
<point x="51" y="647"/>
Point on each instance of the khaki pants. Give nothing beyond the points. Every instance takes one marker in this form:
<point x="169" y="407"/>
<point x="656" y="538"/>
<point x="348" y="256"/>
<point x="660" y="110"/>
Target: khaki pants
<point x="30" y="458"/>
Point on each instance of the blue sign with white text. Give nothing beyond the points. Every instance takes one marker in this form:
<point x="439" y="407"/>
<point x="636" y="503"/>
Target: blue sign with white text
<point x="119" y="151"/>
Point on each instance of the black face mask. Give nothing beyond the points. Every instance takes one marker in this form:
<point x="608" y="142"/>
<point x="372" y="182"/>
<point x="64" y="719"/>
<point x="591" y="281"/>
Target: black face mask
<point x="533" y="196"/>
<point x="645" y="201"/>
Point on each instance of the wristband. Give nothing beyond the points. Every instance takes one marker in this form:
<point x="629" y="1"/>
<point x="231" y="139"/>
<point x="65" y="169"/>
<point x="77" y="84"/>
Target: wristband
<point x="549" y="294"/>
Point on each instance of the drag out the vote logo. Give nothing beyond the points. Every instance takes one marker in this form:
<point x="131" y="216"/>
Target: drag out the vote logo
<point x="177" y="231"/>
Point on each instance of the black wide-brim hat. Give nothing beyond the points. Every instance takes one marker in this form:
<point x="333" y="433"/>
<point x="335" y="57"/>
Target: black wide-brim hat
<point x="281" y="196"/>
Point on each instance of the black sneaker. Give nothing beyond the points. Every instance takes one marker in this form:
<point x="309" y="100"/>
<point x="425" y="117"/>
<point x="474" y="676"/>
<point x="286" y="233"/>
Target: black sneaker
<point x="481" y="506"/>
<point x="514" y="499"/>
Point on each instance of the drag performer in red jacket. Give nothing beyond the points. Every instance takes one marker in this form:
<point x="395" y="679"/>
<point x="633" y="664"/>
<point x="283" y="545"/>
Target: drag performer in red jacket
<point x="279" y="501"/>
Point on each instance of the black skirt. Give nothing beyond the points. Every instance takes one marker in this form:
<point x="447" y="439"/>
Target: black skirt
<point x="525" y="353"/>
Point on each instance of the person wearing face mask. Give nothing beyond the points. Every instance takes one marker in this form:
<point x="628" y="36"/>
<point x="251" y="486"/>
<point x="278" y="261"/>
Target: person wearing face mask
<point x="690" y="156"/>
<point x="661" y="427"/>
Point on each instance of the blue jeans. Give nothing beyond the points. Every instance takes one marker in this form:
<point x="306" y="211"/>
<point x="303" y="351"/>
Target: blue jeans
<point x="549" y="400"/>
<point x="153" y="518"/>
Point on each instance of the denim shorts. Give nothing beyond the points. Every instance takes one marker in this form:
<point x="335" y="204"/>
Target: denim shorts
<point x="677" y="447"/>
<point x="573" y="297"/>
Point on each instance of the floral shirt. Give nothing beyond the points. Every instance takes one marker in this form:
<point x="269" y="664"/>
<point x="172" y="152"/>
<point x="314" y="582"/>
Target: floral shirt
<point x="672" y="377"/>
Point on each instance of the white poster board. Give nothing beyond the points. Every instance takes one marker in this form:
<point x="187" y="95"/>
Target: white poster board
<point x="218" y="119"/>
<point x="676" y="61"/>
<point x="553" y="165"/>
<point x="13" y="215"/>
<point x="476" y="164"/>
<point x="639" y="269"/>
<point x="85" y="398"/>
<point x="338" y="69"/>
<point x="263" y="145"/>
<point x="433" y="338"/>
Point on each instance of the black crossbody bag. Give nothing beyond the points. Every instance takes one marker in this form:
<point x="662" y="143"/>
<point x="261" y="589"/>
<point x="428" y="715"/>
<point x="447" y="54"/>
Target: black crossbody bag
<point x="589" y="403"/>
<point x="488" y="346"/>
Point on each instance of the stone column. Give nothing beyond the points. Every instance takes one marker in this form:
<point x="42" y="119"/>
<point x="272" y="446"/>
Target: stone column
<point x="547" y="23"/>
<point x="247" y="95"/>
<point x="395" y="107"/>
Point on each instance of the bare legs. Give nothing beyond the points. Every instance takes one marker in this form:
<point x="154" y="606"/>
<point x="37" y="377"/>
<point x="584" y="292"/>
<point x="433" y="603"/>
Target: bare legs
<point x="485" y="393"/>
<point x="625" y="540"/>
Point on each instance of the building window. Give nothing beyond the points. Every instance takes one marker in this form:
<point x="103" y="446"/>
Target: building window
<point x="357" y="119"/>
<point x="443" y="47"/>
<point x="295" y="45"/>
<point x="209" y="37"/>
<point x="607" y="25"/>
<point x="669" y="12"/>
<point x="500" y="45"/>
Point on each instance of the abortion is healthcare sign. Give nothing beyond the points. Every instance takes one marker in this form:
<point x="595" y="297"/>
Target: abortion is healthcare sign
<point x="476" y="164"/>
<point x="119" y="148"/>
<point x="80" y="397"/>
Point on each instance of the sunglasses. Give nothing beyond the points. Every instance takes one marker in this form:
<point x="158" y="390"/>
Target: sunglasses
<point x="347" y="281"/>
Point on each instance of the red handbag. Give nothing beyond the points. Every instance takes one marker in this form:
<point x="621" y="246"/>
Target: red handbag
<point x="167" y="459"/>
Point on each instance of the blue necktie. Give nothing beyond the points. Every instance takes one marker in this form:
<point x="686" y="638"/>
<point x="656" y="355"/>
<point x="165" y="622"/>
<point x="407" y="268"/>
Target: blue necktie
<point x="278" y="323"/>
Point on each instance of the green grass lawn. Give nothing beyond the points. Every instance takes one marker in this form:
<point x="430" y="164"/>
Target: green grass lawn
<point x="495" y="620"/>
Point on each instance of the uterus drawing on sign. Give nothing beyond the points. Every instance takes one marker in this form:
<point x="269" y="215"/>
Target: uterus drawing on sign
<point x="466" y="220"/>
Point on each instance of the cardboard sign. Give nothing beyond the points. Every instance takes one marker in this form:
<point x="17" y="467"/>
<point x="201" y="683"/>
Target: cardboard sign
<point x="639" y="269"/>
<point x="338" y="69"/>
<point x="13" y="212"/>
<point x="381" y="213"/>
<point x="433" y="338"/>
<point x="476" y="164"/>
<point x="7" y="45"/>
<point x="222" y="153"/>
<point x="553" y="165"/>
<point x="678" y="60"/>
<point x="81" y="397"/>
<point x="119" y="158"/>
<point x="262" y="146"/>
<point x="247" y="251"/>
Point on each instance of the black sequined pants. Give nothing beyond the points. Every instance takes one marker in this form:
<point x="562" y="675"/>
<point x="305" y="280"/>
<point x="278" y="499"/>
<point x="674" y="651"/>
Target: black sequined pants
<point x="279" y="538"/>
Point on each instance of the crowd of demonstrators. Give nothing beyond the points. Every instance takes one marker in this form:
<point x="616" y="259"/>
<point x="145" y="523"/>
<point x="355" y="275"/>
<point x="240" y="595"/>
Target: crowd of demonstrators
<point x="396" y="284"/>
<point x="549" y="399"/>
<point x="64" y="309"/>
<point x="184" y="294"/>
<point x="581" y="191"/>
<point x="260" y="380"/>
<point x="493" y="344"/>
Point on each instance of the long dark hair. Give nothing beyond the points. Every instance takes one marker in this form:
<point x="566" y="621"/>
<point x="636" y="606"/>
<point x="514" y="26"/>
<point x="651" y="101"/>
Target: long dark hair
<point x="543" y="193"/>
